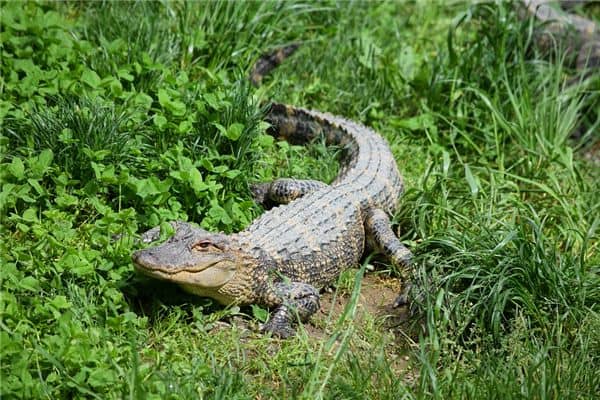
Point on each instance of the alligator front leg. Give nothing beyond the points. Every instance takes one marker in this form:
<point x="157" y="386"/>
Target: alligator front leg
<point x="295" y="301"/>
<point x="283" y="191"/>
<point x="381" y="237"/>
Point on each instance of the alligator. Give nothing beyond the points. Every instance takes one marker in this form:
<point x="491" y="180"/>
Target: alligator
<point x="579" y="36"/>
<point x="302" y="244"/>
<point x="580" y="39"/>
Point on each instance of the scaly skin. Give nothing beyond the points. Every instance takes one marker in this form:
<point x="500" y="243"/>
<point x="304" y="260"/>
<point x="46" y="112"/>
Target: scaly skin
<point x="581" y="36"/>
<point x="285" y="256"/>
<point x="267" y="62"/>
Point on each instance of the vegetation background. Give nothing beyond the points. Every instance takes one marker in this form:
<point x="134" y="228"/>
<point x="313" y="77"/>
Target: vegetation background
<point x="120" y="116"/>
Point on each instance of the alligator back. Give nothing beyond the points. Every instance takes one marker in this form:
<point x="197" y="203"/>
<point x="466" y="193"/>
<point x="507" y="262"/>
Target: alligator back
<point x="316" y="236"/>
<point x="368" y="169"/>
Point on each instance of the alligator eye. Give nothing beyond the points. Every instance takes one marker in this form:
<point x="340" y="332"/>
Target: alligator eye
<point x="202" y="245"/>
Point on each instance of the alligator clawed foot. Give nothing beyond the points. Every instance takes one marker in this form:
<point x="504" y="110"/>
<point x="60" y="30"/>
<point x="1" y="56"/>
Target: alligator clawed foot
<point x="277" y="330"/>
<point x="401" y="301"/>
<point x="403" y="298"/>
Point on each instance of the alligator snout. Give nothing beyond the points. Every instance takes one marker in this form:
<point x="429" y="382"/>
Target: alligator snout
<point x="141" y="257"/>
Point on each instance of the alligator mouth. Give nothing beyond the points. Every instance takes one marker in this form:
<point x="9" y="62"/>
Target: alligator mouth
<point x="201" y="280"/>
<point x="144" y="266"/>
<point x="171" y="272"/>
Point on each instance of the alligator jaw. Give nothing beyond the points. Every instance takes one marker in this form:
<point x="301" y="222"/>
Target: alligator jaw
<point x="145" y="262"/>
<point x="202" y="279"/>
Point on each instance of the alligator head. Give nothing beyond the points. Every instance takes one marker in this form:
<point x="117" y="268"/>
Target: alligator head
<point x="200" y="261"/>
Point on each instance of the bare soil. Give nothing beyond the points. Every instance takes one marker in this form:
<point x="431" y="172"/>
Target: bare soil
<point x="377" y="295"/>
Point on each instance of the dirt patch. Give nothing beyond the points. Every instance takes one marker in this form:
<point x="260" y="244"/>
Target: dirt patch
<point x="374" y="306"/>
<point x="374" y="312"/>
<point x="376" y="299"/>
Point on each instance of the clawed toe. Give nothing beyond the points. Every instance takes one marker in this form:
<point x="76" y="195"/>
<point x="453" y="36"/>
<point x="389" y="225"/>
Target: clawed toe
<point x="282" y="332"/>
<point x="403" y="298"/>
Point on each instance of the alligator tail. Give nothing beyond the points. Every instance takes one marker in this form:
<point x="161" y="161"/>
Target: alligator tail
<point x="292" y="124"/>
<point x="269" y="61"/>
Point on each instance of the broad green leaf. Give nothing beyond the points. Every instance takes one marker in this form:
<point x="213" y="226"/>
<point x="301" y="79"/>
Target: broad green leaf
<point x="35" y="185"/>
<point x="166" y="100"/>
<point x="231" y="173"/>
<point x="163" y="97"/>
<point x="65" y="200"/>
<point x="259" y="313"/>
<point x="44" y="160"/>
<point x="30" y="215"/>
<point x="143" y="100"/>
<point x="219" y="169"/>
<point x="150" y="187"/>
<point x="26" y="66"/>
<point x="104" y="173"/>
<point x="125" y="75"/>
<point x="265" y="141"/>
<point x="66" y="136"/>
<point x="17" y="168"/>
<point x="160" y="121"/>
<point x="6" y="195"/>
<point x="207" y="164"/>
<point x="212" y="101"/>
<point x="115" y="86"/>
<point x="219" y="213"/>
<point x="185" y="162"/>
<point x="60" y="302"/>
<point x="184" y="126"/>
<point x="195" y="180"/>
<point x="91" y="78"/>
<point x="234" y="131"/>
<point x="30" y="283"/>
<point x="182" y="78"/>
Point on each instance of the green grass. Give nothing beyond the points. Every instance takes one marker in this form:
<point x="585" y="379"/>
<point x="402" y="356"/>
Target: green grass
<point x="119" y="116"/>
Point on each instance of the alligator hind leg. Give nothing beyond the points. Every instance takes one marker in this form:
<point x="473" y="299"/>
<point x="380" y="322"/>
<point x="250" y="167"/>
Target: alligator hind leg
<point x="295" y="300"/>
<point x="381" y="237"/>
<point x="283" y="191"/>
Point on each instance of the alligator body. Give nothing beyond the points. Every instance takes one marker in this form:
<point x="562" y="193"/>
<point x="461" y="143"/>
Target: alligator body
<point x="579" y="36"/>
<point x="316" y="231"/>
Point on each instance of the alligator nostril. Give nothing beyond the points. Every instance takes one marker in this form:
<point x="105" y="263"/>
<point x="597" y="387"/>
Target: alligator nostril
<point x="139" y="255"/>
